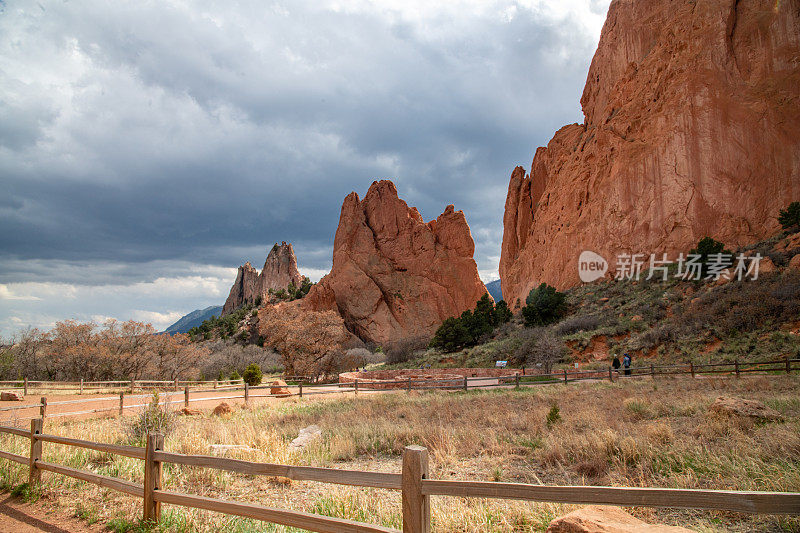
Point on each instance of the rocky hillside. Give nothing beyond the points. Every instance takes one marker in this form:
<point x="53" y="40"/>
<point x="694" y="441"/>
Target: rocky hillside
<point x="656" y="321"/>
<point x="252" y="288"/>
<point x="692" y="128"/>
<point x="394" y="275"/>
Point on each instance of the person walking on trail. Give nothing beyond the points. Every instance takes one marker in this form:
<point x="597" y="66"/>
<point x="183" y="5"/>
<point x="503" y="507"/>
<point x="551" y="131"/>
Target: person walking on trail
<point x="626" y="362"/>
<point x="615" y="364"/>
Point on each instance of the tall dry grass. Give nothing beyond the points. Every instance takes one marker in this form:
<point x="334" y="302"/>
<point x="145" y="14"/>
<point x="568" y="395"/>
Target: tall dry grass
<point x="638" y="433"/>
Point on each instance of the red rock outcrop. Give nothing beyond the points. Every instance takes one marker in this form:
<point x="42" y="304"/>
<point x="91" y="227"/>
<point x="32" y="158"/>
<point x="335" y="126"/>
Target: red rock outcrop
<point x="280" y="269"/>
<point x="692" y="129"/>
<point x="606" y="519"/>
<point x="395" y="276"/>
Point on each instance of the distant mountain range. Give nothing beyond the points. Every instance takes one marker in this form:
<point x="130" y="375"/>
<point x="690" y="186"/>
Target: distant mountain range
<point x="494" y="290"/>
<point x="193" y="319"/>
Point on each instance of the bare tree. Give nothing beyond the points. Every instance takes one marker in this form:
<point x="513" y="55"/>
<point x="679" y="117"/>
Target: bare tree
<point x="539" y="347"/>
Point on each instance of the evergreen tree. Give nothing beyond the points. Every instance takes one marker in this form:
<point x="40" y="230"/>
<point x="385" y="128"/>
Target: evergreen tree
<point x="451" y="335"/>
<point x="502" y="313"/>
<point x="790" y="217"/>
<point x="544" y="305"/>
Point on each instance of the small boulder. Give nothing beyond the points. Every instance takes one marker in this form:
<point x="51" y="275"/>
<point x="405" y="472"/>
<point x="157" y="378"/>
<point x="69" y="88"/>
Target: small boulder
<point x="306" y="435"/>
<point x="606" y="519"/>
<point x="747" y="408"/>
<point x="279" y="388"/>
<point x="766" y="266"/>
<point x="190" y="412"/>
<point x="794" y="263"/>
<point x="222" y="409"/>
<point x="7" y="396"/>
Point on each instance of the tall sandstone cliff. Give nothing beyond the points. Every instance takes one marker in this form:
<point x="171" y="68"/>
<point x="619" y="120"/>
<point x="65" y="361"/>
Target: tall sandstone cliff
<point x="280" y="269"/>
<point x="395" y="276"/>
<point x="692" y="128"/>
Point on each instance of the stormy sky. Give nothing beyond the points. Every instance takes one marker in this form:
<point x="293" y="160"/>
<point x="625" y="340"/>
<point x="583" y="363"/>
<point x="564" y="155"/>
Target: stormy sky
<point x="148" y="148"/>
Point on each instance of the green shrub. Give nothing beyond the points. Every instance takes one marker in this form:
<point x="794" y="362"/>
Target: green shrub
<point x="544" y="305"/>
<point x="252" y="375"/>
<point x="553" y="416"/>
<point x="708" y="247"/>
<point x="789" y="218"/>
<point x="235" y="376"/>
<point x="155" y="418"/>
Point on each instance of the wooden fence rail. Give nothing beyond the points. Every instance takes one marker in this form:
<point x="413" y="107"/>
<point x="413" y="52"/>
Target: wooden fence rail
<point x="413" y="482"/>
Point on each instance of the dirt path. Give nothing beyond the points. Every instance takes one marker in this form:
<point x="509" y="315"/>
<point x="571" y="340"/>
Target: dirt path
<point x="16" y="516"/>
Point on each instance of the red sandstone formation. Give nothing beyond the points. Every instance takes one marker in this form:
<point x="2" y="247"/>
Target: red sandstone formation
<point x="280" y="269"/>
<point x="692" y="128"/>
<point x="395" y="276"/>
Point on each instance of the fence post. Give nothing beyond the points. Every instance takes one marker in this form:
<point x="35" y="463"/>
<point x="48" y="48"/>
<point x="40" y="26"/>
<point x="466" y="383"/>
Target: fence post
<point x="736" y="366"/>
<point x="133" y="384"/>
<point x="43" y="407"/>
<point x="246" y="394"/>
<point x="516" y="381"/>
<point x="691" y="368"/>
<point x="152" y="477"/>
<point x="409" y="384"/>
<point x="652" y="371"/>
<point x="788" y="366"/>
<point x="81" y="392"/>
<point x="186" y="397"/>
<point x="611" y="374"/>
<point x="300" y="386"/>
<point x="25" y="386"/>
<point x="465" y="383"/>
<point x="416" y="506"/>
<point x="34" y="474"/>
<point x="175" y="384"/>
<point x="215" y="383"/>
<point x="565" y="377"/>
<point x="121" y="400"/>
<point x="356" y="386"/>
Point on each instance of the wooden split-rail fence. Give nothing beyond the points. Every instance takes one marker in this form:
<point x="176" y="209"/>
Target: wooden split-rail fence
<point x="413" y="482"/>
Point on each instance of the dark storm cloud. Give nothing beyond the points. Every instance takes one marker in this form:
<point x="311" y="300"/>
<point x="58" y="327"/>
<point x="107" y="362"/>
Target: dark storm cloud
<point x="139" y="134"/>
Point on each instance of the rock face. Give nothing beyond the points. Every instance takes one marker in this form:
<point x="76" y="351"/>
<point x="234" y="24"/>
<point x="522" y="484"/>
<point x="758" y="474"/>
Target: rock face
<point x="395" y="276"/>
<point x="692" y="129"/>
<point x="280" y="269"/>
<point x="604" y="519"/>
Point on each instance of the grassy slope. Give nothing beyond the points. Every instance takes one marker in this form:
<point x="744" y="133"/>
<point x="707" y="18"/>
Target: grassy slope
<point x="654" y="433"/>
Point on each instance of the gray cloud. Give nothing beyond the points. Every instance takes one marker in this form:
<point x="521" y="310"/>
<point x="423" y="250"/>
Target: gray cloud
<point x="143" y="136"/>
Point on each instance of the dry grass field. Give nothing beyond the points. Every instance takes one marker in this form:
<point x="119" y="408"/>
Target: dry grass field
<point x="636" y="433"/>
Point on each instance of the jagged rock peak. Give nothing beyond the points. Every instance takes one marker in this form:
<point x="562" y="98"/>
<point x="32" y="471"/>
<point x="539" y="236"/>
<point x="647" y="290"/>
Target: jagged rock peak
<point x="394" y="276"/>
<point x="280" y="269"/>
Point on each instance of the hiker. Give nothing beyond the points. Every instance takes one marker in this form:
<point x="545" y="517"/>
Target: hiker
<point x="615" y="363"/>
<point x="626" y="362"/>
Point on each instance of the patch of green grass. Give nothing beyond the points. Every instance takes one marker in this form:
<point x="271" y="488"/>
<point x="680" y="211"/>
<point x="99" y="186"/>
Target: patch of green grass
<point x="28" y="493"/>
<point x="87" y="514"/>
